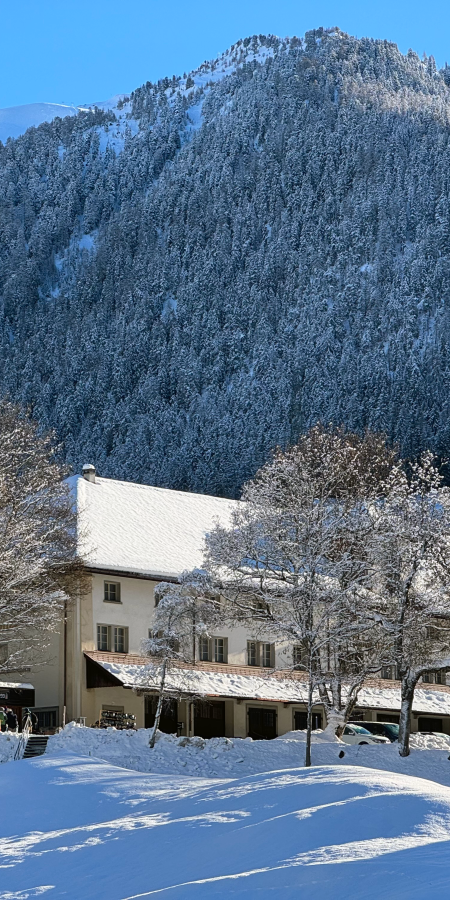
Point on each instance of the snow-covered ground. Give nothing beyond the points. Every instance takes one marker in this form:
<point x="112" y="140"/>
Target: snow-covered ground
<point x="232" y="758"/>
<point x="74" y="827"/>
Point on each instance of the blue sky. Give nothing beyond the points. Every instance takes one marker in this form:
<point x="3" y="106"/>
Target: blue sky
<point x="78" y="51"/>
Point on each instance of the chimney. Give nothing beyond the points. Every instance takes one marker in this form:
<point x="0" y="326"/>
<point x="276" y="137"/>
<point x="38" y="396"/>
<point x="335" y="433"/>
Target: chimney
<point x="89" y="472"/>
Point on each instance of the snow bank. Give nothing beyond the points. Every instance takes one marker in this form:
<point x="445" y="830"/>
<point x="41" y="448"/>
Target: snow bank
<point x="8" y="746"/>
<point x="234" y="757"/>
<point x="80" y="828"/>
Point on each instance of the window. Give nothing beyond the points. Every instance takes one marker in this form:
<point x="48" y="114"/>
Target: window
<point x="434" y="678"/>
<point x="266" y="655"/>
<point x="204" y="649"/>
<point x="260" y="654"/>
<point x="102" y="637"/>
<point x="112" y="637"/>
<point x="388" y="672"/>
<point x="120" y="639"/>
<point x="219" y="650"/>
<point x="299" y="656"/>
<point x="111" y="592"/>
<point x="213" y="650"/>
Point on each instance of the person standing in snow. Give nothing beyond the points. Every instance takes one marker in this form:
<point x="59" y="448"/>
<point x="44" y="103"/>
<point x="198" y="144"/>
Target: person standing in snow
<point x="11" y="720"/>
<point x="2" y="718"/>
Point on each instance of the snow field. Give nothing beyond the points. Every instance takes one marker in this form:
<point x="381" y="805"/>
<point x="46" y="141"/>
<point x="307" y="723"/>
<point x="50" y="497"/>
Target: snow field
<point x="82" y="828"/>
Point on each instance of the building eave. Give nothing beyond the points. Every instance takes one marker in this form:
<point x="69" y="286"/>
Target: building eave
<point x="130" y="573"/>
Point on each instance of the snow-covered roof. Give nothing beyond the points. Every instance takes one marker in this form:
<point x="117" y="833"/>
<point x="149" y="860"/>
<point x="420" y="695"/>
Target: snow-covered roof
<point x="14" y="685"/>
<point x="127" y="527"/>
<point x="216" y="683"/>
<point x="427" y="701"/>
<point x="208" y="683"/>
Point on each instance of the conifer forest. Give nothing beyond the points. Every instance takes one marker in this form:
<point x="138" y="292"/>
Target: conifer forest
<point x="203" y="271"/>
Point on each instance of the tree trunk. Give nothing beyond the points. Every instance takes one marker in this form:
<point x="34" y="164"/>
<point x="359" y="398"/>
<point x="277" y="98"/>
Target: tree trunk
<point x="408" y="686"/>
<point x="309" y="723"/>
<point x="159" y="705"/>
<point x="335" y="722"/>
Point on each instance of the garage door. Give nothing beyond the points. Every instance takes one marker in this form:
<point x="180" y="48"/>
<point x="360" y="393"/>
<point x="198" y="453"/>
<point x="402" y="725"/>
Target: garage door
<point x="209" y="718"/>
<point x="301" y="724"/>
<point x="168" y="720"/>
<point x="425" y="724"/>
<point x="262" y="723"/>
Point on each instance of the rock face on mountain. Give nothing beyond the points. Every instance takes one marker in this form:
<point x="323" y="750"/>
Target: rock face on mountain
<point x="218" y="261"/>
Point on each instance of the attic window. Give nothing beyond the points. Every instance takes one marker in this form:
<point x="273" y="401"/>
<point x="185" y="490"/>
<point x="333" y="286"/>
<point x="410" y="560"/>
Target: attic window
<point x="112" y="592"/>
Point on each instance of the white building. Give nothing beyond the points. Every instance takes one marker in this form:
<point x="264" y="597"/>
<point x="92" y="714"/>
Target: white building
<point x="132" y="537"/>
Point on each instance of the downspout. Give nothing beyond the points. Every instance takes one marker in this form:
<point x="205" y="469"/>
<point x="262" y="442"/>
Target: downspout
<point x="65" y="666"/>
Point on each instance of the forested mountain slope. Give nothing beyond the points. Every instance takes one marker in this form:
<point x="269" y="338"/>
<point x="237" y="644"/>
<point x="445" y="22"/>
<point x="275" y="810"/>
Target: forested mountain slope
<point x="201" y="272"/>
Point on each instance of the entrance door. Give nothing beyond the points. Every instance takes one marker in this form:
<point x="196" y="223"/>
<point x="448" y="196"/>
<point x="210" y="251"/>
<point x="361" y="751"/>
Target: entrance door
<point x="209" y="718"/>
<point x="262" y="723"/>
<point x="300" y="723"/>
<point x="169" y="715"/>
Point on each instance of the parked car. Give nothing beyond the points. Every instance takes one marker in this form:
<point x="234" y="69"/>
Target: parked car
<point x="356" y="734"/>
<point x="386" y="729"/>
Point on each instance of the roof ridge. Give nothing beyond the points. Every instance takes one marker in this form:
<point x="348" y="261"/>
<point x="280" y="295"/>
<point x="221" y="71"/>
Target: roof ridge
<point x="154" y="487"/>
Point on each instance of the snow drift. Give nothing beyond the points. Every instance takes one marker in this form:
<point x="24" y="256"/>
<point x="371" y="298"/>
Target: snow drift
<point x="78" y="827"/>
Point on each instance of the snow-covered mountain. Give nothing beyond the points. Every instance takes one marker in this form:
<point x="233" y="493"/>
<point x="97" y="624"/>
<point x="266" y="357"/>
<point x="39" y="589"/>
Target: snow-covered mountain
<point x="194" y="273"/>
<point x="14" y="120"/>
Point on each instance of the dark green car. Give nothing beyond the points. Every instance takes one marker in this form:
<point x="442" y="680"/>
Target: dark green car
<point x="384" y="729"/>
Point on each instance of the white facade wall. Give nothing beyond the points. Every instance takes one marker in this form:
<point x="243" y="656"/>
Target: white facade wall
<point x="136" y="610"/>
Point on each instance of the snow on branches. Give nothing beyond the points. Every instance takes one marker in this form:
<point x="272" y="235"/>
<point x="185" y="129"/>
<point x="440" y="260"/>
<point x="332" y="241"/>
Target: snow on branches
<point x="342" y="550"/>
<point x="413" y="570"/>
<point x="39" y="568"/>
<point x="184" y="612"/>
<point x="297" y="562"/>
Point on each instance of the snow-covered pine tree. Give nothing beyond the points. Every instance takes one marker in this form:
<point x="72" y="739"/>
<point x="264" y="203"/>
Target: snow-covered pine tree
<point x="178" y="300"/>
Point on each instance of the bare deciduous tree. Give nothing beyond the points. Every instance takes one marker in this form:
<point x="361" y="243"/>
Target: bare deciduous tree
<point x="297" y="561"/>
<point x="183" y="613"/>
<point x="413" y="602"/>
<point x="39" y="567"/>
